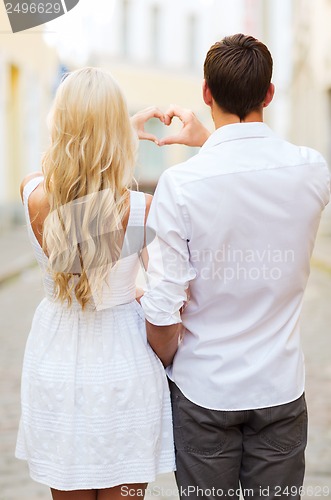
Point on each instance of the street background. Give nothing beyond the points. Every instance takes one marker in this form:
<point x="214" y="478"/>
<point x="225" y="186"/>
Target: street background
<point x="20" y="292"/>
<point x="155" y="50"/>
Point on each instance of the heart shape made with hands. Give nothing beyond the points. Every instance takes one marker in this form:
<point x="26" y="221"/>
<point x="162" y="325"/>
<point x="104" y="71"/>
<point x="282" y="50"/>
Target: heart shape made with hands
<point x="191" y="132"/>
<point x="141" y="119"/>
<point x="172" y="130"/>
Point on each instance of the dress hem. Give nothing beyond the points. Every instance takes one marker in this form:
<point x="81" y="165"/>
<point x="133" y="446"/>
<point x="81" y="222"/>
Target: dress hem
<point x="103" y="485"/>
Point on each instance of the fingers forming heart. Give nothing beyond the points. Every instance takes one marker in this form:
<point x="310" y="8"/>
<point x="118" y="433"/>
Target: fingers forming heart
<point x="176" y="135"/>
<point x="172" y="136"/>
<point x="141" y="118"/>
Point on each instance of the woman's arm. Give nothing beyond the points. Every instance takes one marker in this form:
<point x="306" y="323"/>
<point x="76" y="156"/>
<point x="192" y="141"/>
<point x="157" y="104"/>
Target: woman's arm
<point x="38" y="205"/>
<point x="144" y="252"/>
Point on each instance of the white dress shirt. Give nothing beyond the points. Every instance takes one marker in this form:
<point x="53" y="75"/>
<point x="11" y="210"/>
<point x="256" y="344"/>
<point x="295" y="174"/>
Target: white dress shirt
<point x="236" y="224"/>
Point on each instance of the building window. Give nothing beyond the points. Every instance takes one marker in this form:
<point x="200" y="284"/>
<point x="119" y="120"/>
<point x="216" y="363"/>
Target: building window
<point x="192" y="33"/>
<point x="124" y="28"/>
<point x="155" y="33"/>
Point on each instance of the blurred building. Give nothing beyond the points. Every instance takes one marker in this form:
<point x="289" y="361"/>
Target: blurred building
<point x="155" y="49"/>
<point x="27" y="78"/>
<point x="311" y="84"/>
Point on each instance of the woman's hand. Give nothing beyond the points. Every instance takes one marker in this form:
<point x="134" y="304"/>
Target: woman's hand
<point x="139" y="294"/>
<point x="139" y="119"/>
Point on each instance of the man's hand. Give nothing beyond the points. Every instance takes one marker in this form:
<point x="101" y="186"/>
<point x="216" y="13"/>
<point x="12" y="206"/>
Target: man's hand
<point x="164" y="340"/>
<point x="193" y="132"/>
<point x="139" y="119"/>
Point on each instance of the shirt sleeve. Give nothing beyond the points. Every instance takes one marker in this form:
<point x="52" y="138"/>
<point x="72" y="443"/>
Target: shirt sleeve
<point x="169" y="269"/>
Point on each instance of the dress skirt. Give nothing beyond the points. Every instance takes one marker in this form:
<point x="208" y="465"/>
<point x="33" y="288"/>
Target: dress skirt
<point x="95" y="400"/>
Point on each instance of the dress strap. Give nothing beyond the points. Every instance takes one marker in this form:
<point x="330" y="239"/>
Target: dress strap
<point x="30" y="186"/>
<point x="137" y="209"/>
<point x="135" y="232"/>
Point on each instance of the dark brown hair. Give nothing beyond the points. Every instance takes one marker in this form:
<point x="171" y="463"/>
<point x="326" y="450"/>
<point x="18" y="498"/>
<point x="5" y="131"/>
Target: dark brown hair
<point x="238" y="72"/>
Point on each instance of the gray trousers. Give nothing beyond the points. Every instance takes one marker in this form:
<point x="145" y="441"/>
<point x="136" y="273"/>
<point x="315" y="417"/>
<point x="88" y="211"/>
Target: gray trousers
<point x="261" y="450"/>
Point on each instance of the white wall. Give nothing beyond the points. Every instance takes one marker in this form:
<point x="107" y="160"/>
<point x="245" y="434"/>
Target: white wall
<point x="3" y="148"/>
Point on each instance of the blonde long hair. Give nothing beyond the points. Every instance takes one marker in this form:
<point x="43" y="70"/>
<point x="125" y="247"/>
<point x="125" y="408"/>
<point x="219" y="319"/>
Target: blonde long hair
<point x="88" y="169"/>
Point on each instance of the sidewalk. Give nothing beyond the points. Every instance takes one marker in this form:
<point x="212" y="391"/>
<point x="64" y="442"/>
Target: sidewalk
<point x="16" y="253"/>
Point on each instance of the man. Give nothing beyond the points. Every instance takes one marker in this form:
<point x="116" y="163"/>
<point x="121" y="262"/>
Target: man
<point x="236" y="225"/>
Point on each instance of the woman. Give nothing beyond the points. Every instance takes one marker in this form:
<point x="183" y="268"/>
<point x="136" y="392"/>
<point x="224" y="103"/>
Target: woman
<point x="96" y="418"/>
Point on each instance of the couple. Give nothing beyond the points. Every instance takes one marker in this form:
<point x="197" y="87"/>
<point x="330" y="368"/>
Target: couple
<point x="235" y="227"/>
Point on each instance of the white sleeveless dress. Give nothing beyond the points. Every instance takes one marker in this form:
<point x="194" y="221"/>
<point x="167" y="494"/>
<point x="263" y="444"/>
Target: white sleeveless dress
<point x="95" y="400"/>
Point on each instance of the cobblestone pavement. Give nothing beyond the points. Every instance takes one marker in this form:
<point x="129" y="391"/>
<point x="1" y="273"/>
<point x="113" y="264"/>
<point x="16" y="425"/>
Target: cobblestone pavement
<point x="18" y="299"/>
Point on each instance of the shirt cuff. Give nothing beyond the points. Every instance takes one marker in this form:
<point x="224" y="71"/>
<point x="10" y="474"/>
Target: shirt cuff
<point x="157" y="316"/>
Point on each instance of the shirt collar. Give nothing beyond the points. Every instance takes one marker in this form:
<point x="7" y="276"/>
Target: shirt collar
<point x="236" y="131"/>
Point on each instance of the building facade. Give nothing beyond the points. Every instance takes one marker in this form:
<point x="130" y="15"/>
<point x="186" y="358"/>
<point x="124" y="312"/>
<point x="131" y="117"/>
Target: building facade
<point x="27" y="80"/>
<point x="156" y="50"/>
<point x="311" y="83"/>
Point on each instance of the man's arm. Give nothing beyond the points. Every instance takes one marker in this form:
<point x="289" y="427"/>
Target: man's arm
<point x="169" y="269"/>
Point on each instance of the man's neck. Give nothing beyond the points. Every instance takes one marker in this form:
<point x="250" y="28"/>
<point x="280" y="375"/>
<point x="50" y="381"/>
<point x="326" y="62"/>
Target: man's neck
<point x="221" y="118"/>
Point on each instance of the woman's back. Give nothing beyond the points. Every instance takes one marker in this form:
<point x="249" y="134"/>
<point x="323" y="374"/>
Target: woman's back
<point x="120" y="286"/>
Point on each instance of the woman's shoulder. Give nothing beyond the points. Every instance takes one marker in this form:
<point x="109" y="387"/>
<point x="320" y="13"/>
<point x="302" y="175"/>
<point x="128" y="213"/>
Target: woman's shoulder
<point x="38" y="206"/>
<point x="27" y="179"/>
<point x="37" y="201"/>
